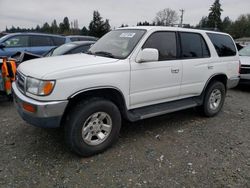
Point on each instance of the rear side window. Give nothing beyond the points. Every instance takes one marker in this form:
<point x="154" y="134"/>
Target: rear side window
<point x="165" y="43"/>
<point x="223" y="44"/>
<point x="40" y="41"/>
<point x="58" y="41"/>
<point x="193" y="46"/>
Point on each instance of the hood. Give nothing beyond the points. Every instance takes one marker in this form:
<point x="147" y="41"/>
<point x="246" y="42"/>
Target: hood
<point x="39" y="68"/>
<point x="245" y="60"/>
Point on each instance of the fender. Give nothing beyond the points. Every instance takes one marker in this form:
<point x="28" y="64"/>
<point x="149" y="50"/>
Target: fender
<point x="96" y="88"/>
<point x="201" y="98"/>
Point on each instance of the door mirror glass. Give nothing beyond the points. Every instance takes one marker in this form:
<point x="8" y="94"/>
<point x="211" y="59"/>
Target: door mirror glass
<point x="147" y="55"/>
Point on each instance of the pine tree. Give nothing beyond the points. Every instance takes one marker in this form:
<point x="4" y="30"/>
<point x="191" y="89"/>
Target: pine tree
<point x="45" y="28"/>
<point x="84" y="31"/>
<point x="214" y="17"/>
<point x="54" y="27"/>
<point x="97" y="26"/>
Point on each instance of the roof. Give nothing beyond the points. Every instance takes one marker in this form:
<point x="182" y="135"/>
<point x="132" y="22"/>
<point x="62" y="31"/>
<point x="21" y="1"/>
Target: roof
<point x="80" y="36"/>
<point x="166" y="28"/>
<point x="81" y="42"/>
<point x="32" y="33"/>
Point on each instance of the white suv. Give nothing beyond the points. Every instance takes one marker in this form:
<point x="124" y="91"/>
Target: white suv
<point x="130" y="73"/>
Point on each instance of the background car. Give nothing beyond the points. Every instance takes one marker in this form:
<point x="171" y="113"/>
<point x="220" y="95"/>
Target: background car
<point x="35" y="43"/>
<point x="245" y="65"/>
<point x="72" y="38"/>
<point x="71" y="48"/>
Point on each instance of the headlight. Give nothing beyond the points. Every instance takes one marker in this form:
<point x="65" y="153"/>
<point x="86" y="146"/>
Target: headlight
<point x="39" y="87"/>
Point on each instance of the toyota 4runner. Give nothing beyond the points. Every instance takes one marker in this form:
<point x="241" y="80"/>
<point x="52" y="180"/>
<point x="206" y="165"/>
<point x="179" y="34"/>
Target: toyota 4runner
<point x="130" y="73"/>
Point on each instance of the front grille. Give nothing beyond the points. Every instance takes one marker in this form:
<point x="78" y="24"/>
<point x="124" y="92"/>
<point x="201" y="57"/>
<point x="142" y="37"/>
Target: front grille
<point x="20" y="81"/>
<point x="245" y="69"/>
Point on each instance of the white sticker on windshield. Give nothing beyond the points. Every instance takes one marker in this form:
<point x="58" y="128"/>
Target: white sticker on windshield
<point x="127" y="35"/>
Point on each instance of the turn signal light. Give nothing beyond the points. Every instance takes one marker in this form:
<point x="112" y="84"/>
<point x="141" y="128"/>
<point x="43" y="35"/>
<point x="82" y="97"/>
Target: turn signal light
<point x="29" y="107"/>
<point x="47" y="87"/>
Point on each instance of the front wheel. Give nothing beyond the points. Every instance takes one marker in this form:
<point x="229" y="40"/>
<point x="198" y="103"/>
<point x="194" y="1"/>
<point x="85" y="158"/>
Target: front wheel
<point x="214" y="99"/>
<point x="92" y="126"/>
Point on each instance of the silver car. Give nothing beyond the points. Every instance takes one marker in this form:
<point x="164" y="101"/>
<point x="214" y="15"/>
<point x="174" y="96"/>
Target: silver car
<point x="245" y="65"/>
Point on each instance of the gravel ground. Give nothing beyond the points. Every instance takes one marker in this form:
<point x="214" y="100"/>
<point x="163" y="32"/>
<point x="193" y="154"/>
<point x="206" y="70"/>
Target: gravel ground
<point x="176" y="150"/>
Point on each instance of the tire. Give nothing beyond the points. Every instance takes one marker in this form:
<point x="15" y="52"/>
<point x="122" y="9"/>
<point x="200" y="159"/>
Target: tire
<point x="213" y="105"/>
<point x="95" y="113"/>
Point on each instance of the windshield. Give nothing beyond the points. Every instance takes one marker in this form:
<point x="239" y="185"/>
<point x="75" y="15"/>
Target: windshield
<point x="245" y="51"/>
<point x="118" y="43"/>
<point x="61" y="50"/>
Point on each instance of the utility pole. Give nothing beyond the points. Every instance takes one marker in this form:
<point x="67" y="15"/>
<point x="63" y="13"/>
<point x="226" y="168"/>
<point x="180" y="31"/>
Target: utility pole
<point x="182" y="13"/>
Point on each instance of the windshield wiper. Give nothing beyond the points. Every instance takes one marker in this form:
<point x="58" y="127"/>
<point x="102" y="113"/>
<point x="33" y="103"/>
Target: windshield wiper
<point x="108" y="54"/>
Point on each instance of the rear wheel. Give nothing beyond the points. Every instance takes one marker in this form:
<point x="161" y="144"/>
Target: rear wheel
<point x="214" y="99"/>
<point x="92" y="126"/>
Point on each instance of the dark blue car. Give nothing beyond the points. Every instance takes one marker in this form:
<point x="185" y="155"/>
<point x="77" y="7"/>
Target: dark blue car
<point x="31" y="42"/>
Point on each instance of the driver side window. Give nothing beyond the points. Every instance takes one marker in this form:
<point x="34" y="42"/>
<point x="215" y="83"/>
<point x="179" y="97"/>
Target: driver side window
<point x="17" y="41"/>
<point x="165" y="43"/>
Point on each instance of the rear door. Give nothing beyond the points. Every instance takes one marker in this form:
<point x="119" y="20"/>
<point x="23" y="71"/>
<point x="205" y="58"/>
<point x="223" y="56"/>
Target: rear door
<point x="40" y="44"/>
<point x="195" y="57"/>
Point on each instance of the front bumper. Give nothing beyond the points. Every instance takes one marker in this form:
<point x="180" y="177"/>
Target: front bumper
<point x="46" y="115"/>
<point x="232" y="82"/>
<point x="245" y="79"/>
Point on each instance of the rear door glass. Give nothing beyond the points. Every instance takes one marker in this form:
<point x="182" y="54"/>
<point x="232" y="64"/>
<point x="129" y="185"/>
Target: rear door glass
<point x="193" y="46"/>
<point x="40" y="41"/>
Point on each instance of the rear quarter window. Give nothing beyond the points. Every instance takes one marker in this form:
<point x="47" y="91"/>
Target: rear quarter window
<point x="223" y="44"/>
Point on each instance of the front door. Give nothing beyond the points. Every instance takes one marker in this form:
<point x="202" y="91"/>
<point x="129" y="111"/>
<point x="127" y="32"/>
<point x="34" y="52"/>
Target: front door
<point x="158" y="81"/>
<point x="19" y="43"/>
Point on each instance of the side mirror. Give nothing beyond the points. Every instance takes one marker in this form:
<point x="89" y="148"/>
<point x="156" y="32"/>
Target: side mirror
<point x="148" y="55"/>
<point x="2" y="45"/>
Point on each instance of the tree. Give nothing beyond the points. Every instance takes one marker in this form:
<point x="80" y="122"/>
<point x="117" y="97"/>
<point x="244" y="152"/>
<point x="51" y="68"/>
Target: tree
<point x="145" y="23"/>
<point x="64" y="27"/>
<point x="241" y="27"/>
<point x="45" y="28"/>
<point x="226" y="25"/>
<point x="38" y="28"/>
<point x="166" y="17"/>
<point x="214" y="17"/>
<point x="54" y="27"/>
<point x="124" y="25"/>
<point x="84" y="31"/>
<point x="203" y="22"/>
<point x="97" y="26"/>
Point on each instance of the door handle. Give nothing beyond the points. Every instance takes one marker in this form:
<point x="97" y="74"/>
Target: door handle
<point x="175" y="71"/>
<point x="210" y="66"/>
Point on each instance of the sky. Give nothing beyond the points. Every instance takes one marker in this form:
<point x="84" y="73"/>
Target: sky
<point x="30" y="13"/>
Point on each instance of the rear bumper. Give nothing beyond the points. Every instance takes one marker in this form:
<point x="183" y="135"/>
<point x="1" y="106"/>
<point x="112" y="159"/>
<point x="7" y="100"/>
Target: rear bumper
<point x="46" y="115"/>
<point x="232" y="82"/>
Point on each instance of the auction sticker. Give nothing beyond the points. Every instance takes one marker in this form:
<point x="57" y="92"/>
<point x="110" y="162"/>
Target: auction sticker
<point x="127" y="35"/>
